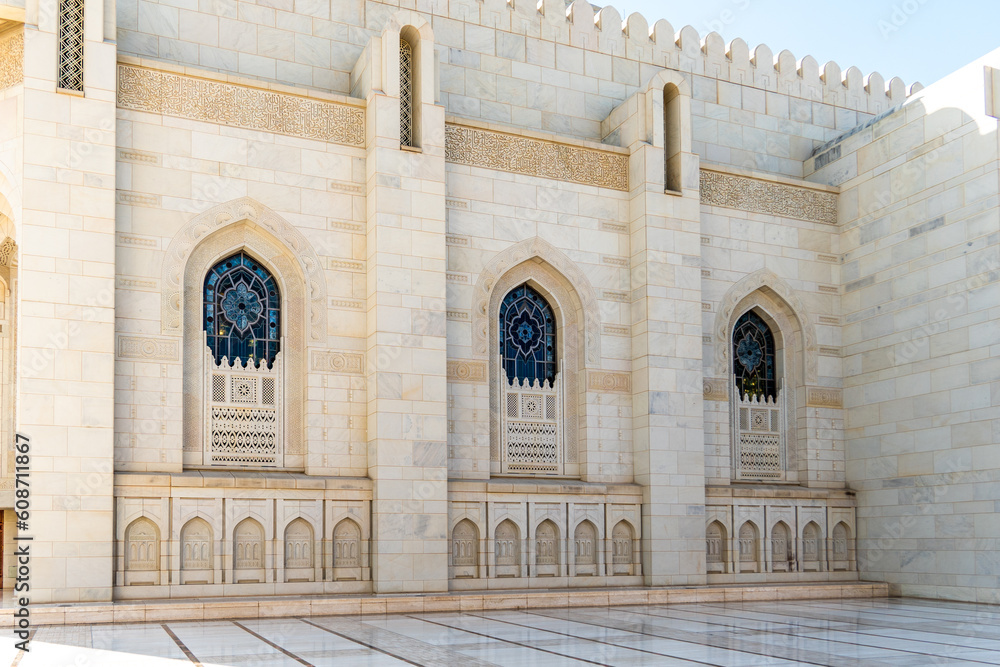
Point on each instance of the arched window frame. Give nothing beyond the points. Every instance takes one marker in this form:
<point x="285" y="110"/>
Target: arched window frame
<point x="291" y="259"/>
<point x="672" y="153"/>
<point x="532" y="392"/>
<point x="759" y="416"/>
<point x="244" y="378"/>
<point x="667" y="125"/>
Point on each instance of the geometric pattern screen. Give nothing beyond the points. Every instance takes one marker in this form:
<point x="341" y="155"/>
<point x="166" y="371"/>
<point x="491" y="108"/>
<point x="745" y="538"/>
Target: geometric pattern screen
<point x="70" y="54"/>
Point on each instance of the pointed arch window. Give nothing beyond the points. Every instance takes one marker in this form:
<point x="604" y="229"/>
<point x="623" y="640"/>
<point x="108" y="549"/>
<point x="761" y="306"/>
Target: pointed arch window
<point x="528" y="336"/>
<point x="759" y="451"/>
<point x="754" y="357"/>
<point x="242" y="323"/>
<point x="531" y="386"/>
<point x="242" y="310"/>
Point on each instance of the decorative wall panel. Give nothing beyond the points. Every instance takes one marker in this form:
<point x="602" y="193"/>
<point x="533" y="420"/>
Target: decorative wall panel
<point x="338" y="362"/>
<point x="534" y="157"/>
<point x="172" y="94"/>
<point x="606" y="381"/>
<point x="824" y="397"/>
<point x="757" y="196"/>
<point x="11" y="59"/>
<point x="143" y="348"/>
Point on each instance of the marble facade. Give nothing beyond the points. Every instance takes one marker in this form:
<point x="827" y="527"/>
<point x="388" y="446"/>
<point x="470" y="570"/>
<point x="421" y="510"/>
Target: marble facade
<point x="398" y="169"/>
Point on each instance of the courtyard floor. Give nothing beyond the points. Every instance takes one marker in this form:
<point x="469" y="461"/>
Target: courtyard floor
<point x="891" y="631"/>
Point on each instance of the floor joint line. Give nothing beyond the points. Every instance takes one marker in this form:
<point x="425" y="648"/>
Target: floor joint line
<point x="181" y="645"/>
<point x="273" y="645"/>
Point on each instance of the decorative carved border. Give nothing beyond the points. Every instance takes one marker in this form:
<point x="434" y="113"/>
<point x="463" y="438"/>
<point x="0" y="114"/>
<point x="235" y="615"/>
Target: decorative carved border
<point x="460" y="370"/>
<point x="757" y="196"/>
<point x="144" y="348"/>
<point x="140" y="284"/>
<point x="608" y="381"/>
<point x="12" y="60"/>
<point x="338" y="362"/>
<point x="824" y="397"/>
<point x="155" y="91"/>
<point x="716" y="389"/>
<point x="216" y="218"/>
<point x="534" y="157"/>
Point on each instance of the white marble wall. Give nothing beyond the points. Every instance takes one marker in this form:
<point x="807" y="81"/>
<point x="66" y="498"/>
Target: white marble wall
<point x="921" y="248"/>
<point x="410" y="245"/>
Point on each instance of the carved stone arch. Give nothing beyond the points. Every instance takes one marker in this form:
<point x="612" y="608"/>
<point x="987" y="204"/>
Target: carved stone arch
<point x="782" y="545"/>
<point x="507" y="536"/>
<point x="142" y="545"/>
<point x="197" y="544"/>
<point x="256" y="232"/>
<point x="586" y="544"/>
<point x="520" y="253"/>
<point x="716" y="546"/>
<point x="667" y="77"/>
<point x="465" y="548"/>
<point x="812" y="551"/>
<point x="347" y="544"/>
<point x="263" y="220"/>
<point x="780" y="294"/>
<point x="299" y="543"/>
<point x="749" y="548"/>
<point x="249" y="545"/>
<point x="654" y="115"/>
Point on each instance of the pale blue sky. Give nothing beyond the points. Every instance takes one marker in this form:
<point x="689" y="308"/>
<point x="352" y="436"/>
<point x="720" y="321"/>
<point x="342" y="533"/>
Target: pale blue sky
<point x="917" y="40"/>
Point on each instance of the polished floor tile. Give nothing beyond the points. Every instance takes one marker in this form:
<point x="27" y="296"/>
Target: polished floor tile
<point x="841" y="633"/>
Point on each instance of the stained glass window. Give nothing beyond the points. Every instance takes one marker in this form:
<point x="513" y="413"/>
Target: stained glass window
<point x="527" y="336"/>
<point x="242" y="310"/>
<point x="753" y="357"/>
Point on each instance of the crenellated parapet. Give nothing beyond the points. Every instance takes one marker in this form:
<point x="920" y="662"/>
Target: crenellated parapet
<point x="604" y="30"/>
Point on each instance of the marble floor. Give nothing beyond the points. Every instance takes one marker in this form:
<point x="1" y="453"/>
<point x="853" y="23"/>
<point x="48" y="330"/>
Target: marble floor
<point x="904" y="632"/>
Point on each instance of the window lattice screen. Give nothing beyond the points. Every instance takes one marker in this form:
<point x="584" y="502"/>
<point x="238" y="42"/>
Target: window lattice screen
<point x="405" y="93"/>
<point x="71" y="45"/>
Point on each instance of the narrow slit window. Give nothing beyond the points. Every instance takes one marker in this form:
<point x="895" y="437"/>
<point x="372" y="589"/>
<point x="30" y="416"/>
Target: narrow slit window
<point x="672" y="138"/>
<point x="406" y="137"/>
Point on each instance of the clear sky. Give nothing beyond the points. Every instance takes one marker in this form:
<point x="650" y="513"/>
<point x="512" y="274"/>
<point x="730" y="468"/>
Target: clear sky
<point x="916" y="40"/>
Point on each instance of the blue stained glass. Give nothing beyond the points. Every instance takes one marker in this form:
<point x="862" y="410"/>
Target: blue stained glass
<point x="527" y="336"/>
<point x="242" y="310"/>
<point x="753" y="357"/>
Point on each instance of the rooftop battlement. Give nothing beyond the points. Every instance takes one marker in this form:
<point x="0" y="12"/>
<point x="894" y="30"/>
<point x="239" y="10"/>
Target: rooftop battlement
<point x="603" y="30"/>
